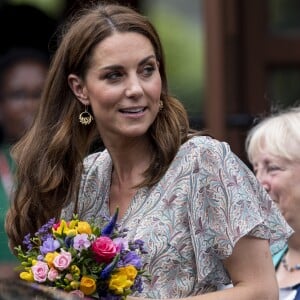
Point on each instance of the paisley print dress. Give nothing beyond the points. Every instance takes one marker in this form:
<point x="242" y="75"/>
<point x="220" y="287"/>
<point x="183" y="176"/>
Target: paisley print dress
<point x="190" y="220"/>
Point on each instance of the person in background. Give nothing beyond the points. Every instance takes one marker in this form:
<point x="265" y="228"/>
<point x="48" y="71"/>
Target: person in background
<point x="22" y="77"/>
<point x="273" y="150"/>
<point x="202" y="214"/>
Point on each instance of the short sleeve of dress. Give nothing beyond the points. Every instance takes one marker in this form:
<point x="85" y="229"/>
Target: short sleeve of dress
<point x="227" y="204"/>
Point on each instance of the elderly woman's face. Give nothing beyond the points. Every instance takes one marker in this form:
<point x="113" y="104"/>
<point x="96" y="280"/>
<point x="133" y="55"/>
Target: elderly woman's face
<point x="21" y="92"/>
<point x="281" y="178"/>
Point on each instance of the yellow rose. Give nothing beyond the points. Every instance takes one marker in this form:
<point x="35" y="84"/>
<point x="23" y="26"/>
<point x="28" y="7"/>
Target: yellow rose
<point x="84" y="227"/>
<point x="49" y="257"/>
<point x="130" y="271"/>
<point x="87" y="285"/>
<point x="119" y="282"/>
<point x="28" y="276"/>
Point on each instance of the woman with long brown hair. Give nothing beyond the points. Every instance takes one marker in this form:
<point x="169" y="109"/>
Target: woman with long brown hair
<point x="203" y="216"/>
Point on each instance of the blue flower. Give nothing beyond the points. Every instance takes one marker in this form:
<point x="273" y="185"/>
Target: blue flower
<point x="108" y="229"/>
<point x="69" y="241"/>
<point x="109" y="268"/>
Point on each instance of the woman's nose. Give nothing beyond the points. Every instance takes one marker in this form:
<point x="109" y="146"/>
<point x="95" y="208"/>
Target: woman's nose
<point x="263" y="179"/>
<point x="134" y="88"/>
<point x="266" y="186"/>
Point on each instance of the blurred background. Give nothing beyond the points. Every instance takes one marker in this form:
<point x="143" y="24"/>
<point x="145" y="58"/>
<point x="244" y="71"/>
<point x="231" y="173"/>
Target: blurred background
<point x="229" y="61"/>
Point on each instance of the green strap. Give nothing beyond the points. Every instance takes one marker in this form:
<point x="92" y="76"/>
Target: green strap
<point x="278" y="256"/>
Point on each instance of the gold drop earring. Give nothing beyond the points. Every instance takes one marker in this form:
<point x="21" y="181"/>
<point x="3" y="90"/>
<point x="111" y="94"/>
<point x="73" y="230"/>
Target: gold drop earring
<point x="85" y="117"/>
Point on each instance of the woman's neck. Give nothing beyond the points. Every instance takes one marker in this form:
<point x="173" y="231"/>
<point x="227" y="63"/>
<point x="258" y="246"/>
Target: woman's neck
<point x="130" y="160"/>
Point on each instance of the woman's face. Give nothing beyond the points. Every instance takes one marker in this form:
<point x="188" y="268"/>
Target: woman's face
<point x="123" y="86"/>
<point x="21" y="93"/>
<point x="281" y="178"/>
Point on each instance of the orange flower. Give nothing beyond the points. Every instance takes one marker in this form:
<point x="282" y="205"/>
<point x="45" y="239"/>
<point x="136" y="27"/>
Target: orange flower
<point x="87" y="285"/>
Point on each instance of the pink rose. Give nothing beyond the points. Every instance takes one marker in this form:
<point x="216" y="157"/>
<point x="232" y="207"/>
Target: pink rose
<point x="104" y="249"/>
<point x="53" y="274"/>
<point x="63" y="260"/>
<point x="40" y="271"/>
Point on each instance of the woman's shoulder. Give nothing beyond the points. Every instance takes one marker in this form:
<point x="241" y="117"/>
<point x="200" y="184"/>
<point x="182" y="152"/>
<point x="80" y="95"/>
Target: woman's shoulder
<point x="204" y="144"/>
<point x="96" y="160"/>
<point x="212" y="154"/>
<point x="204" y="140"/>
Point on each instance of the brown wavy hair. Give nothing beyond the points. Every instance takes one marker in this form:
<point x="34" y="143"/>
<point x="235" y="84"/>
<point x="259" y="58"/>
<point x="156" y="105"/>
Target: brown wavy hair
<point x="50" y="157"/>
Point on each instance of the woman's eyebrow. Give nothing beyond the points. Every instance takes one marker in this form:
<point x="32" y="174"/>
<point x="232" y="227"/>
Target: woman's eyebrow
<point x="118" y="67"/>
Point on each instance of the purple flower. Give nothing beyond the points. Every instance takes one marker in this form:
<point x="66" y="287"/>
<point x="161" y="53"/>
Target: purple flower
<point x="138" y="284"/>
<point x="27" y="242"/>
<point x="45" y="237"/>
<point x="131" y="258"/>
<point x="121" y="244"/>
<point x="49" y="245"/>
<point x="138" y="244"/>
<point x="81" y="242"/>
<point x="45" y="228"/>
<point x="111" y="297"/>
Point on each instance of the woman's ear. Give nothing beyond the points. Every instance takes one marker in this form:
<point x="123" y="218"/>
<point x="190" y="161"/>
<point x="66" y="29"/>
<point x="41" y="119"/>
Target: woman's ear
<point x="78" y="88"/>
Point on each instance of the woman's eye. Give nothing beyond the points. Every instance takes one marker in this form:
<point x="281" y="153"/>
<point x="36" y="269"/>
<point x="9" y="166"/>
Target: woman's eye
<point x="113" y="76"/>
<point x="148" y="70"/>
<point x="272" y="168"/>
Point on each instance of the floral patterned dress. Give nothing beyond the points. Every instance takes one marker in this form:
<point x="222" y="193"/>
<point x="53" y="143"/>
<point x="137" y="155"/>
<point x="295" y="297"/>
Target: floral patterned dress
<point x="190" y="220"/>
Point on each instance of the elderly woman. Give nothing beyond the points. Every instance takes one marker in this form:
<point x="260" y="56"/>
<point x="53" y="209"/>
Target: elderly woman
<point x="273" y="149"/>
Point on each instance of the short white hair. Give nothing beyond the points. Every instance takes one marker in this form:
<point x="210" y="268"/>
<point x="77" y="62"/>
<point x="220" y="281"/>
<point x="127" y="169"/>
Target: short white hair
<point x="278" y="134"/>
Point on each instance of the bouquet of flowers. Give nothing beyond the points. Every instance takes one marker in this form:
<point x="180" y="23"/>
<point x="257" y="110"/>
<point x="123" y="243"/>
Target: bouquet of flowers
<point x="83" y="259"/>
